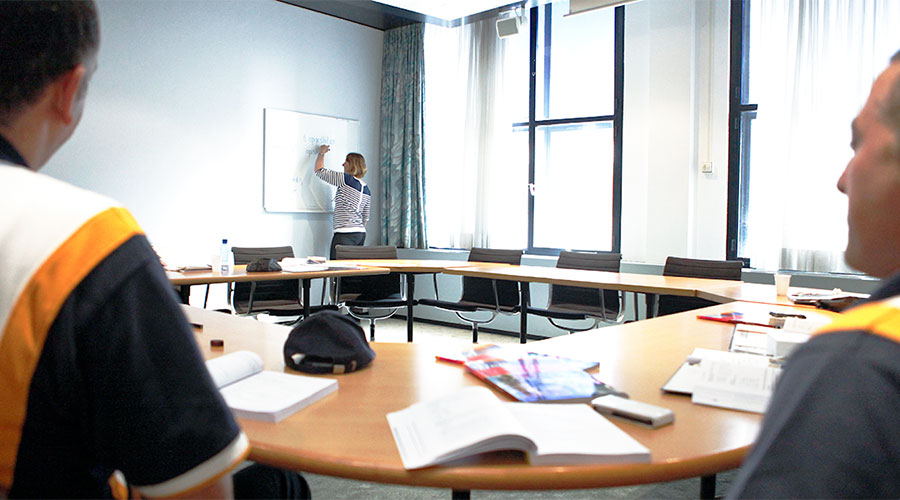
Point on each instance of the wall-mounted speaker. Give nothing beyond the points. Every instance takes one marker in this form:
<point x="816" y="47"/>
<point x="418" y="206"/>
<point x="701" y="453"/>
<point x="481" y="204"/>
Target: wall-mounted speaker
<point x="507" y="27"/>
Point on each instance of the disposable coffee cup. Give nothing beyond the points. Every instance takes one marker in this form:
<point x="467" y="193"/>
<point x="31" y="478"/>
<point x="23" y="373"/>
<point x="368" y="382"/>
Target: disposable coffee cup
<point x="782" y="284"/>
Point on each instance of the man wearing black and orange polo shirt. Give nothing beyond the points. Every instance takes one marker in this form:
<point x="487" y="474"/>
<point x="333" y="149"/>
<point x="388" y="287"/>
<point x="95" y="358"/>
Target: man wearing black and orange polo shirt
<point x="99" y="370"/>
<point x="832" y="429"/>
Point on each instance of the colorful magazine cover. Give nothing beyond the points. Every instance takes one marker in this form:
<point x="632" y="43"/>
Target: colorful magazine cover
<point x="538" y="378"/>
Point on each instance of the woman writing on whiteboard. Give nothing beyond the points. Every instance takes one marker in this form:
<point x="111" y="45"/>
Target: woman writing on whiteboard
<point x="352" y="200"/>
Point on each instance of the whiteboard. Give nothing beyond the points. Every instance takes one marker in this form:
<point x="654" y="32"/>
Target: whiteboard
<point x="291" y="144"/>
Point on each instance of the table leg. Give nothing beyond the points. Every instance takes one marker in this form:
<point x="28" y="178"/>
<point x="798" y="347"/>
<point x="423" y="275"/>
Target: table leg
<point x="184" y="293"/>
<point x="410" y="302"/>
<point x="708" y="486"/>
<point x="523" y="311"/>
<point x="305" y="283"/>
<point x="650" y="300"/>
<point x="461" y="495"/>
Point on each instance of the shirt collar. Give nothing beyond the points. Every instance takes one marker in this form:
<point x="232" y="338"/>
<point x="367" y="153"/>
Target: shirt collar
<point x="9" y="153"/>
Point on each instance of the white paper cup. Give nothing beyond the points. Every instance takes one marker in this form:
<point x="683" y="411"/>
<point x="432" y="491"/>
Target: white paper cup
<point x="782" y="283"/>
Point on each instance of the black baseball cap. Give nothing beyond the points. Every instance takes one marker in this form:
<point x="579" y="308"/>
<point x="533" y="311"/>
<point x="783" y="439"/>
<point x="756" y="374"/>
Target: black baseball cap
<point x="327" y="342"/>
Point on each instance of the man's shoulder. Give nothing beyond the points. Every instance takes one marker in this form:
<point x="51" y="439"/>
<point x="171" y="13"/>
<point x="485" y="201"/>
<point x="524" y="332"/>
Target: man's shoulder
<point x="20" y="187"/>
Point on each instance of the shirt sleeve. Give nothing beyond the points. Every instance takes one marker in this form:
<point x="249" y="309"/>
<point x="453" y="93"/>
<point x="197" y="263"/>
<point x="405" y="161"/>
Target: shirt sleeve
<point x="831" y="426"/>
<point x="332" y="177"/>
<point x="152" y="409"/>
<point x="365" y="211"/>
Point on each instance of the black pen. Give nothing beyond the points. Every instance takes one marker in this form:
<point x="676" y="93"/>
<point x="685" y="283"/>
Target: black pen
<point x="785" y="315"/>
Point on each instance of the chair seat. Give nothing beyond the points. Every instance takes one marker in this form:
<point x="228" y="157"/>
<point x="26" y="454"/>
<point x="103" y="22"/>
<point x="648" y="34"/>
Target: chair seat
<point x="466" y="306"/>
<point x="393" y="300"/>
<point x="273" y="307"/>
<point x="573" y="311"/>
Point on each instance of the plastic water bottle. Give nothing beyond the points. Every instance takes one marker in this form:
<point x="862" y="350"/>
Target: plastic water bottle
<point x="224" y="256"/>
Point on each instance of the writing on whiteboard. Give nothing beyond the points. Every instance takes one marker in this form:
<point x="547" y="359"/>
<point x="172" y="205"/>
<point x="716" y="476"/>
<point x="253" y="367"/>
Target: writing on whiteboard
<point x="312" y="143"/>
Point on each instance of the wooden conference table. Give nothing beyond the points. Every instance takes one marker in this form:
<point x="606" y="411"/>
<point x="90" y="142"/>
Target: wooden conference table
<point x="648" y="284"/>
<point x="347" y="435"/>
<point x="184" y="280"/>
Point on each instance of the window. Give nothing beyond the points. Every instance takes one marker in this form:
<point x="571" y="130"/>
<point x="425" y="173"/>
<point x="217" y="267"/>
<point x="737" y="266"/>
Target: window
<point x="800" y="71"/>
<point x="523" y="133"/>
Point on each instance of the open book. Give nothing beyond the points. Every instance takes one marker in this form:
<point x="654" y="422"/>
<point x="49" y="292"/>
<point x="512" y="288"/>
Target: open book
<point x="186" y="268"/>
<point x="253" y="393"/>
<point x="735" y="380"/>
<point x="473" y="421"/>
<point x="296" y="265"/>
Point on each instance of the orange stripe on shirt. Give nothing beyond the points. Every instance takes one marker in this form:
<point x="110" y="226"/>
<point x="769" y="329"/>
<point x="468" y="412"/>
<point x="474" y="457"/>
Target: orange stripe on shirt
<point x="35" y="311"/>
<point x="881" y="318"/>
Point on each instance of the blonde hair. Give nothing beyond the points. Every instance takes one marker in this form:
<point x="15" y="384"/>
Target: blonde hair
<point x="356" y="164"/>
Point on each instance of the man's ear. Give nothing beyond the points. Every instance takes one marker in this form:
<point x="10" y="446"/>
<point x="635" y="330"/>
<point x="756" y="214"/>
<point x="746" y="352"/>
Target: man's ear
<point x="66" y="93"/>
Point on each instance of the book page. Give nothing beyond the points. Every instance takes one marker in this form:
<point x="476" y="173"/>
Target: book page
<point x="738" y="386"/>
<point x="272" y="396"/>
<point x="575" y="433"/>
<point x="807" y="325"/>
<point x="751" y="339"/>
<point x="689" y="374"/>
<point x="295" y="265"/>
<point x="234" y="366"/>
<point x="463" y="423"/>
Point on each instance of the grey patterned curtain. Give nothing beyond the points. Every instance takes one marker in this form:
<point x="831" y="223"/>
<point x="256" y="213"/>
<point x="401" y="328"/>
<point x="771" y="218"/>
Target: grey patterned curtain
<point x="402" y="125"/>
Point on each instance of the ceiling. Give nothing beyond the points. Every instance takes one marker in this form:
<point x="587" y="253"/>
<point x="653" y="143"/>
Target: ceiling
<point x="448" y="10"/>
<point x="389" y="14"/>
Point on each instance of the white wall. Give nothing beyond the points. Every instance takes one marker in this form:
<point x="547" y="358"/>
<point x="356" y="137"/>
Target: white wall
<point x="173" y="122"/>
<point x="676" y="113"/>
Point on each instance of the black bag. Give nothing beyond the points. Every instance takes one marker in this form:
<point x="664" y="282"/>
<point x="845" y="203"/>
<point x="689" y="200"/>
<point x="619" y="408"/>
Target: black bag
<point x="263" y="264"/>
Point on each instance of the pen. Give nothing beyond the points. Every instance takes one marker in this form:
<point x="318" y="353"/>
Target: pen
<point x="785" y="315"/>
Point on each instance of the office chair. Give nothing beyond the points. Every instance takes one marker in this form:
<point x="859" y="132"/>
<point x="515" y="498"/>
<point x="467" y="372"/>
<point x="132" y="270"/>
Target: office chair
<point x="370" y="297"/>
<point x="695" y="268"/>
<point x="578" y="303"/>
<point x="276" y="297"/>
<point x="483" y="294"/>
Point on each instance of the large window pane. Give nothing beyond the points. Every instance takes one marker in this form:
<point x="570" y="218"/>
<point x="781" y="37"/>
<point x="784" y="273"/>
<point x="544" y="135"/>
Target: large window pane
<point x="478" y="123"/>
<point x="573" y="186"/>
<point x="514" y="76"/>
<point x="574" y="64"/>
<point x="808" y="66"/>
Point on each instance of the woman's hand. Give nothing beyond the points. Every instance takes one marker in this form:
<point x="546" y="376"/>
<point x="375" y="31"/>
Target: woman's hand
<point x="320" y="160"/>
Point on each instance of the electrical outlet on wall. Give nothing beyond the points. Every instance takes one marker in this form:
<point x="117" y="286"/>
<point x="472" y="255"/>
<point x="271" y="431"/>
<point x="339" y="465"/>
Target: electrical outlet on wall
<point x="706" y="167"/>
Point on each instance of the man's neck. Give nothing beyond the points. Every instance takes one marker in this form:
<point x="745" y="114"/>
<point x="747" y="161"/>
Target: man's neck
<point x="9" y="153"/>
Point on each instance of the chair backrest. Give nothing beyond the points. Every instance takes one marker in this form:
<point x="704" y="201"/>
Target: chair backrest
<point x="702" y="268"/>
<point x="369" y="287"/>
<point x="288" y="289"/>
<point x="573" y="295"/>
<point x="695" y="268"/>
<point x="481" y="290"/>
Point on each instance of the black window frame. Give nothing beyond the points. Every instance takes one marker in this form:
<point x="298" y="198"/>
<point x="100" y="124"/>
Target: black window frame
<point x="738" y="135"/>
<point x="616" y="119"/>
